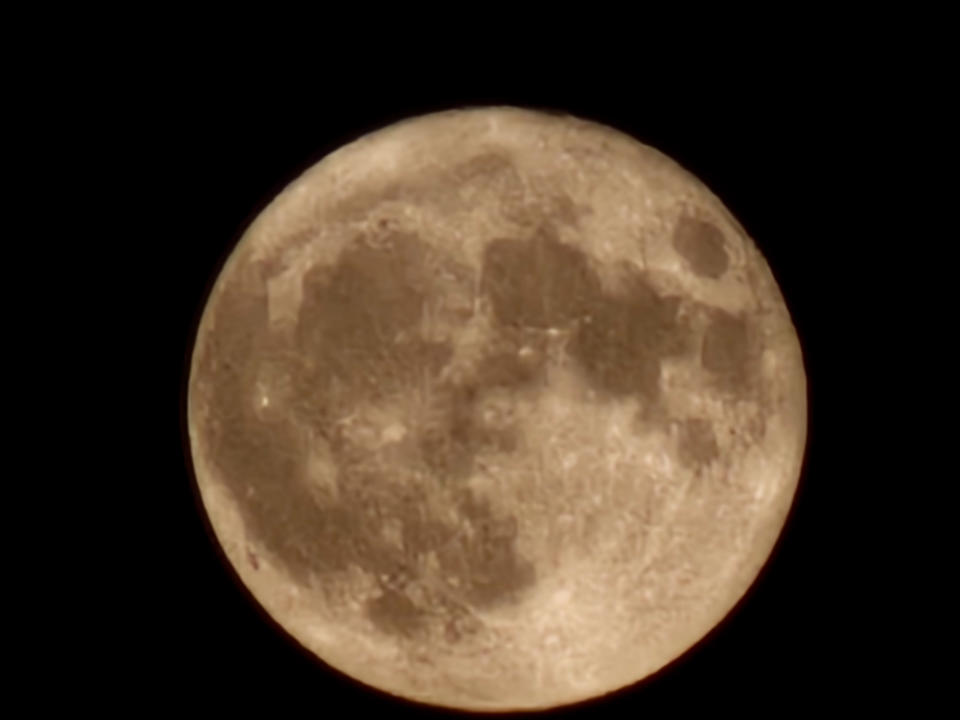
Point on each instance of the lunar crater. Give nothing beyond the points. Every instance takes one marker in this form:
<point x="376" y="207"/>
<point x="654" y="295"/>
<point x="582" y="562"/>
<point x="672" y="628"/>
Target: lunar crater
<point x="701" y="244"/>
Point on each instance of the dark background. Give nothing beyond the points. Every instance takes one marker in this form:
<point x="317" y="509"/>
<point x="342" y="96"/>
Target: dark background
<point x="778" y="154"/>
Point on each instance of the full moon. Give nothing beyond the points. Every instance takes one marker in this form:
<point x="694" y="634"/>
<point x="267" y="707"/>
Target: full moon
<point x="497" y="409"/>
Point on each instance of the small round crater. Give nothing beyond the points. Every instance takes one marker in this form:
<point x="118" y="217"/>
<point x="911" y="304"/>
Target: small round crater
<point x="701" y="244"/>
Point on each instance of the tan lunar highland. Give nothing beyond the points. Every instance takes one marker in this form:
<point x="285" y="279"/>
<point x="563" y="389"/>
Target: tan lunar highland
<point x="497" y="409"/>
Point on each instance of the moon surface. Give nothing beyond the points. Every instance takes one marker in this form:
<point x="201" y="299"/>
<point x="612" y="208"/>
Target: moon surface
<point x="497" y="409"/>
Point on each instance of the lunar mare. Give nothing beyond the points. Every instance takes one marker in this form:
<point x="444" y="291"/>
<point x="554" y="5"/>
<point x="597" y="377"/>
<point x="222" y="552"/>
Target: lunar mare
<point x="497" y="409"/>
